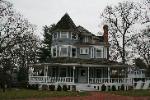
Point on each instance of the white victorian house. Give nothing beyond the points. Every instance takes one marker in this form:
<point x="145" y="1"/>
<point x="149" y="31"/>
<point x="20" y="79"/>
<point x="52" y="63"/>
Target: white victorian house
<point x="79" y="58"/>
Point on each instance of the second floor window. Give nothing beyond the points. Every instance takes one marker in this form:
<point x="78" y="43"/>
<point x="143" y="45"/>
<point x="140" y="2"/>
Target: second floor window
<point x="54" y="52"/>
<point x="64" y="35"/>
<point x="98" y="53"/>
<point x="84" y="50"/>
<point x="63" y="51"/>
<point x="55" y="36"/>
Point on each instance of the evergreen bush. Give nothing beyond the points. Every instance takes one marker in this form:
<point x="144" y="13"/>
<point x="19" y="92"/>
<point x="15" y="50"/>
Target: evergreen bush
<point x="122" y="87"/>
<point x="59" y="88"/>
<point x="113" y="88"/>
<point x="52" y="87"/>
<point x="103" y="87"/>
<point x="65" y="88"/>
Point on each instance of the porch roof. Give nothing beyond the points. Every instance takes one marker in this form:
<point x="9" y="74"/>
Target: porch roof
<point x="76" y="65"/>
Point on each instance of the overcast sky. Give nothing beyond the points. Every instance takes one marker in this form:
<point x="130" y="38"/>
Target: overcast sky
<point x="46" y="12"/>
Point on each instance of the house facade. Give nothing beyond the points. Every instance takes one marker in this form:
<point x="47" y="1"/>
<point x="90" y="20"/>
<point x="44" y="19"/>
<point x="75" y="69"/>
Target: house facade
<point x="79" y="58"/>
<point x="77" y="42"/>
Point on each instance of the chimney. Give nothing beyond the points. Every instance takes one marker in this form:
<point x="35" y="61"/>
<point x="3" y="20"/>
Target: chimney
<point x="105" y="35"/>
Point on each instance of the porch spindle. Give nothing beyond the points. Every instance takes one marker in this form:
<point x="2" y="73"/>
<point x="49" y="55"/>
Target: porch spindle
<point x="88" y="75"/>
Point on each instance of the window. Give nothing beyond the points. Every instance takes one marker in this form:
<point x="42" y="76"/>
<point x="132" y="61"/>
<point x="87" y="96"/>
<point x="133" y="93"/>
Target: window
<point x="83" y="73"/>
<point x="62" y="72"/>
<point x="86" y="39"/>
<point x="54" y="72"/>
<point x="74" y="50"/>
<point x="64" y="34"/>
<point x="98" y="53"/>
<point x="74" y="36"/>
<point x="84" y="50"/>
<point x="54" y="35"/>
<point x="64" y="51"/>
<point x="54" y="51"/>
<point x="98" y="73"/>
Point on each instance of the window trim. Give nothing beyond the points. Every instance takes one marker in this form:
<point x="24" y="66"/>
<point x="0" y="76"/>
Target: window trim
<point x="101" y="56"/>
<point x="76" y="51"/>
<point x="67" y="34"/>
<point x="53" y="51"/>
<point x="60" y="51"/>
<point x="84" y="49"/>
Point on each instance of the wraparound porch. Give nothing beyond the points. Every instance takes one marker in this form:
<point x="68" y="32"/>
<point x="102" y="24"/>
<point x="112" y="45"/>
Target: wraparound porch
<point x="77" y="73"/>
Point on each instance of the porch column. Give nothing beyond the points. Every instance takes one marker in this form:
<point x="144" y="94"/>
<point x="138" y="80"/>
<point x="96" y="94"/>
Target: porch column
<point x="45" y="72"/>
<point x="108" y="75"/>
<point x="73" y="73"/>
<point x="88" y="76"/>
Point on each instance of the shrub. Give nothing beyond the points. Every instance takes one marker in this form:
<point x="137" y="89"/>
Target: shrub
<point x="34" y="87"/>
<point x="130" y="87"/>
<point x="73" y="87"/>
<point x="44" y="87"/>
<point x="103" y="87"/>
<point x="68" y="87"/>
<point x="109" y="88"/>
<point x="113" y="88"/>
<point x="64" y="87"/>
<point x="122" y="87"/>
<point x="52" y="87"/>
<point x="59" y="88"/>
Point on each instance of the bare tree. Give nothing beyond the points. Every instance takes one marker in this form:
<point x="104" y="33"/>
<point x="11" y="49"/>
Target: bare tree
<point x="121" y="19"/>
<point x="141" y="43"/>
<point x="18" y="44"/>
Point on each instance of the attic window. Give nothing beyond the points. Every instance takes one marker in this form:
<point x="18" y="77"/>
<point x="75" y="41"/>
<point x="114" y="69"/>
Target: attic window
<point x="64" y="34"/>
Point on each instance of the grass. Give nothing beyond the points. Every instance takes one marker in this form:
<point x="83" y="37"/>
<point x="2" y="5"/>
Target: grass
<point x="131" y="93"/>
<point x="27" y="93"/>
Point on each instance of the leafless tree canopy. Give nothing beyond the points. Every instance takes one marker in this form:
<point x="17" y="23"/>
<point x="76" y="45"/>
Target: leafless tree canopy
<point x="121" y="19"/>
<point x="18" y="44"/>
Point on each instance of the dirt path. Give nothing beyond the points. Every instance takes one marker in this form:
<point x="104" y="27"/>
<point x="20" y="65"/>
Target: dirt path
<point x="96" y="96"/>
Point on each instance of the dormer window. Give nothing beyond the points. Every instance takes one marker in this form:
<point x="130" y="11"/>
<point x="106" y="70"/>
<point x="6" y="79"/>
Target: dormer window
<point x="64" y="35"/>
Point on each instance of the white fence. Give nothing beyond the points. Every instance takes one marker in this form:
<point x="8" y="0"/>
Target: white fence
<point x="47" y="79"/>
<point x="111" y="80"/>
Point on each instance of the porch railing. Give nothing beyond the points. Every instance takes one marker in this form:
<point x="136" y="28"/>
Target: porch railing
<point x="111" y="80"/>
<point x="48" y="79"/>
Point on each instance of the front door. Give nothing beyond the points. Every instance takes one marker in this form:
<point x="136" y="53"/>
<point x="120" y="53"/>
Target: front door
<point x="82" y="75"/>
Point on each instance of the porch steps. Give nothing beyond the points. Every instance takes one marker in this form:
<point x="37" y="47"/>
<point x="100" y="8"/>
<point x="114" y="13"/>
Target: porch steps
<point x="85" y="87"/>
<point x="139" y="85"/>
<point x="146" y="85"/>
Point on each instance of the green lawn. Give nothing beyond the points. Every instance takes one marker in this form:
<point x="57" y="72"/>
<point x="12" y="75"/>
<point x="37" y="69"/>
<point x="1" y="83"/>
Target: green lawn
<point x="27" y="93"/>
<point x="131" y="93"/>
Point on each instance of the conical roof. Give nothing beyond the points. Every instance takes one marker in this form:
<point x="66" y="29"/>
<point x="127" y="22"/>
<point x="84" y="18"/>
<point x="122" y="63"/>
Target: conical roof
<point x="65" y="23"/>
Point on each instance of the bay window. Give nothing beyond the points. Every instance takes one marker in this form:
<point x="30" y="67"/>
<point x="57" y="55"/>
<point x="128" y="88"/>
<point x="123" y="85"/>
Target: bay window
<point x="84" y="50"/>
<point x="64" y="51"/>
